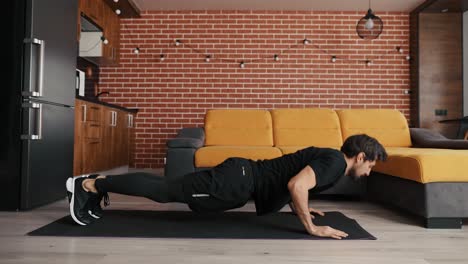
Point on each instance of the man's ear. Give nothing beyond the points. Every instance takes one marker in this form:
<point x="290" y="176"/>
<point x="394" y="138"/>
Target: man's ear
<point x="360" y="157"/>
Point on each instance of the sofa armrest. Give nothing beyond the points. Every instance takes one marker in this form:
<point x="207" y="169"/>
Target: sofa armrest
<point x="425" y="138"/>
<point x="193" y="137"/>
<point x="181" y="142"/>
<point x="180" y="156"/>
<point x="192" y="132"/>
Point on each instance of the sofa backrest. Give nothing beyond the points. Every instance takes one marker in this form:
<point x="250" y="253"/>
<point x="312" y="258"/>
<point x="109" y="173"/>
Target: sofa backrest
<point x="306" y="127"/>
<point x="388" y="126"/>
<point x="238" y="127"/>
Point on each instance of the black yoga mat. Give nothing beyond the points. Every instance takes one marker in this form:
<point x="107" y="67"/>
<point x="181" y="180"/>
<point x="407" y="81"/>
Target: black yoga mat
<point x="182" y="224"/>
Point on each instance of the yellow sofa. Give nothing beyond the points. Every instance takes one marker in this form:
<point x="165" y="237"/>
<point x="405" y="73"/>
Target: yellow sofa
<point x="428" y="182"/>
<point x="261" y="134"/>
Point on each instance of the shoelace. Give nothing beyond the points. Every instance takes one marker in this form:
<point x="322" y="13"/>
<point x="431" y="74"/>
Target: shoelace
<point x="106" y="199"/>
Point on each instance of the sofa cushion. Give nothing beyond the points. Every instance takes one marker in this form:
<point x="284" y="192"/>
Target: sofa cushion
<point x="236" y="127"/>
<point x="388" y="126"/>
<point x="214" y="155"/>
<point x="306" y="127"/>
<point x="426" y="165"/>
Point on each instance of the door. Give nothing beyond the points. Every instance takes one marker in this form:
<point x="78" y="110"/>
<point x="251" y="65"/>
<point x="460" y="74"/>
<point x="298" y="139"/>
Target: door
<point x="123" y="138"/>
<point x="10" y="142"/>
<point x="92" y="138"/>
<point x="47" y="156"/>
<point x="50" y="50"/>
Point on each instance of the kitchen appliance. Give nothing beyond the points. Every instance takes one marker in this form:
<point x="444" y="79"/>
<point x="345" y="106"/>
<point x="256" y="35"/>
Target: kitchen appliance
<point x="36" y="138"/>
<point x="80" y="82"/>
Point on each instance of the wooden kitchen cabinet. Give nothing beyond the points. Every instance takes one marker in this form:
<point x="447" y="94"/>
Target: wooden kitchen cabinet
<point x="121" y="139"/>
<point x="111" y="30"/>
<point x="78" y="141"/>
<point x="102" y="137"/>
<point x="132" y="140"/>
<point x="109" y="134"/>
<point x="88" y="137"/>
<point x="93" y="9"/>
<point x="116" y="137"/>
<point x="104" y="17"/>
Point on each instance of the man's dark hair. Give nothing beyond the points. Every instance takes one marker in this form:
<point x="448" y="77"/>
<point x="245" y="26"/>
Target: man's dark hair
<point x="373" y="150"/>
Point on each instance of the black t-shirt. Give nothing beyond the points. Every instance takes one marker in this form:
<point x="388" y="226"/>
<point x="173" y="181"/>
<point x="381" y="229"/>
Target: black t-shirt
<point x="272" y="176"/>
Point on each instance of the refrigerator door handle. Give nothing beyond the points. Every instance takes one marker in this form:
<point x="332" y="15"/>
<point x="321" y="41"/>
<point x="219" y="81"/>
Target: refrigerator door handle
<point x="41" y="69"/>
<point x="38" y="92"/>
<point x="37" y="121"/>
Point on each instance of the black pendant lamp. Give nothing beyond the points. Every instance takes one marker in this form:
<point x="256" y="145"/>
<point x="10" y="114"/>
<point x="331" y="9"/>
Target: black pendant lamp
<point x="370" y="26"/>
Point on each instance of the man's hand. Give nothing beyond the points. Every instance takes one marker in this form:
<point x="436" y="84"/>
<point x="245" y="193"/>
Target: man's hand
<point x="299" y="187"/>
<point x="315" y="211"/>
<point x="326" y="231"/>
<point x="311" y="210"/>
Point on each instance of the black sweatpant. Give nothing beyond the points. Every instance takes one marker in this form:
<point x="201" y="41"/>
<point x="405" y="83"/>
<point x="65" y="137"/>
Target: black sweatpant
<point x="142" y="184"/>
<point x="228" y="185"/>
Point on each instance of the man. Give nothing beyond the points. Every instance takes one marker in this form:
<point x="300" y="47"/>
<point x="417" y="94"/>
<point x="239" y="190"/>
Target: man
<point x="271" y="183"/>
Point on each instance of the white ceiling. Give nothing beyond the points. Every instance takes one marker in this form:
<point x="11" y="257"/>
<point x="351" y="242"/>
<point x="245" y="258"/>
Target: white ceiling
<point x="315" y="5"/>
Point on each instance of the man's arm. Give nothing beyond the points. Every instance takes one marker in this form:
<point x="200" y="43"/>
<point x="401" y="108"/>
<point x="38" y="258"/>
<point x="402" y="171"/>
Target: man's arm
<point x="311" y="210"/>
<point x="299" y="187"/>
<point x="291" y="205"/>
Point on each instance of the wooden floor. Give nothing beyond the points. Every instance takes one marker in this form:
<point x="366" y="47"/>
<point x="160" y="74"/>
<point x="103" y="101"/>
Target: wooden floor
<point x="401" y="239"/>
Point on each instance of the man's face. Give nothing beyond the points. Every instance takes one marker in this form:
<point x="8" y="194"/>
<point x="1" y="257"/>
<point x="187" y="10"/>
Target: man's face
<point x="361" y="168"/>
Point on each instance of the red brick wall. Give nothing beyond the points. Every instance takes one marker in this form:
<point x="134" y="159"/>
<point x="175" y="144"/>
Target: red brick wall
<point x="177" y="92"/>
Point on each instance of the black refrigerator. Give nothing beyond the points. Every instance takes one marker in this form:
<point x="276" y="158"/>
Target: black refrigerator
<point x="37" y="104"/>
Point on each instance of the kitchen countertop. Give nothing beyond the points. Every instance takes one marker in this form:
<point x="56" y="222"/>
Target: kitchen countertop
<point x="96" y="101"/>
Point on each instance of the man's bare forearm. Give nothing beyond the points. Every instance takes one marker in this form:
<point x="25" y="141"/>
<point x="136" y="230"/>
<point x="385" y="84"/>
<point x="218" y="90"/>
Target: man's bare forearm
<point x="291" y="205"/>
<point x="299" y="187"/>
<point x="300" y="198"/>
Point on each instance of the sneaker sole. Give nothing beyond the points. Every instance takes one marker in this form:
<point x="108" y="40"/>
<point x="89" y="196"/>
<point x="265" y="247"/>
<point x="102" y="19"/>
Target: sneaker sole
<point x="93" y="215"/>
<point x="70" y="184"/>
